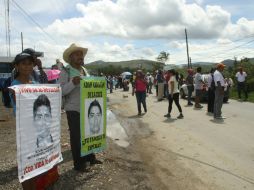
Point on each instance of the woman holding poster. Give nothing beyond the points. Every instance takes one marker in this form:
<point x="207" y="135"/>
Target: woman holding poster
<point x="24" y="67"/>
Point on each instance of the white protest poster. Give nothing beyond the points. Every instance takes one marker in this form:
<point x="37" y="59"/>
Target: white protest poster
<point x="38" y="117"/>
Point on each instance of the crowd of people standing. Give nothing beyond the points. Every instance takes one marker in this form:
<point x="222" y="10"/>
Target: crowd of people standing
<point x="168" y="84"/>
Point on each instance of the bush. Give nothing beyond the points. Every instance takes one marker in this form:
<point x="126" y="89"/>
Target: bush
<point x="250" y="85"/>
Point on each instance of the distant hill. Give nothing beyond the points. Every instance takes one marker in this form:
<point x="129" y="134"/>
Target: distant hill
<point x="228" y="62"/>
<point x="149" y="64"/>
<point x="202" y="63"/>
<point x="132" y="64"/>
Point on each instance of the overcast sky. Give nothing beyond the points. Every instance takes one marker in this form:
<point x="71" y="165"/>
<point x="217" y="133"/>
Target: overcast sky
<point x="132" y="29"/>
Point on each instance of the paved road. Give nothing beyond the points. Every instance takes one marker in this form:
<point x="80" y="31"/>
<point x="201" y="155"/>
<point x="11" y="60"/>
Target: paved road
<point x="198" y="151"/>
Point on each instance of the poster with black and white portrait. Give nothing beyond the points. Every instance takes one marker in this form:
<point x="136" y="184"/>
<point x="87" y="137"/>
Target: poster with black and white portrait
<point x="93" y="115"/>
<point x="38" y="116"/>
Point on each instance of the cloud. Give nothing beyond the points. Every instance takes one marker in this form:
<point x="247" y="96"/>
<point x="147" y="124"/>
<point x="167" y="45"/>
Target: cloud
<point x="122" y="29"/>
<point x="241" y="29"/>
<point x="143" y="19"/>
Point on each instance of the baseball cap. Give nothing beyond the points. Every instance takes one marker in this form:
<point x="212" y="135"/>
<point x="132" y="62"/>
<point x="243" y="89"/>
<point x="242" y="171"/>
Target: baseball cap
<point x="32" y="52"/>
<point x="21" y="56"/>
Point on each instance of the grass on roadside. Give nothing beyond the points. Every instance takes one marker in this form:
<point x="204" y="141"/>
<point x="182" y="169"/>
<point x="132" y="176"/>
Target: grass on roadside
<point x="234" y="95"/>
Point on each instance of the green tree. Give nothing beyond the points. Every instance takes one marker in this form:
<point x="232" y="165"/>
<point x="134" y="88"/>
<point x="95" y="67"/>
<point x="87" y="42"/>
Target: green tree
<point x="163" y="57"/>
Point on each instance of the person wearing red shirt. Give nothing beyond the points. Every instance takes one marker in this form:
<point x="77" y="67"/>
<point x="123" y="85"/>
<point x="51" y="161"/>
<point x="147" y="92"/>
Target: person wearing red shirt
<point x="139" y="88"/>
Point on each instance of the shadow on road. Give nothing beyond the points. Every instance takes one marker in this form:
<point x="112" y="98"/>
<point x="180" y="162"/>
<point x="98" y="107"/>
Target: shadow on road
<point x="169" y="120"/>
<point x="136" y="116"/>
<point x="218" y="121"/>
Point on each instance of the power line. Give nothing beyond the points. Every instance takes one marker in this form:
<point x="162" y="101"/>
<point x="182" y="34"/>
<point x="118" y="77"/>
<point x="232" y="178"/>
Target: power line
<point x="33" y="20"/>
<point x="228" y="50"/>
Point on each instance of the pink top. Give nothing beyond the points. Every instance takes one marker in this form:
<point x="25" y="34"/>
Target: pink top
<point x="140" y="86"/>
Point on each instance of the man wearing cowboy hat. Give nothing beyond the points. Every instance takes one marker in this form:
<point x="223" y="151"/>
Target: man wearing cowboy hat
<point x="69" y="80"/>
<point x="219" y="90"/>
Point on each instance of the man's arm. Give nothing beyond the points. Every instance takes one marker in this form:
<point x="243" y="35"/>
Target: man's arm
<point x="43" y="76"/>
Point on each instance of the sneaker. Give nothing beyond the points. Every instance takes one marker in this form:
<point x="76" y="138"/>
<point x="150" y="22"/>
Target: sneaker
<point x="167" y="115"/>
<point x="139" y="114"/>
<point x="220" y="117"/>
<point x="190" y="104"/>
<point x="180" y="116"/>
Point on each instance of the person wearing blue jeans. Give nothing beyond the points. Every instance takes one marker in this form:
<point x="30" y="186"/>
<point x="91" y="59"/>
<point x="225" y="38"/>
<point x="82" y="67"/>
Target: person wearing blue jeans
<point x="141" y="99"/>
<point x="139" y="88"/>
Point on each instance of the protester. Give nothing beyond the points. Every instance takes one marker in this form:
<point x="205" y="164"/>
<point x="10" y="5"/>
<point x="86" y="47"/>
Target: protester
<point x="24" y="68"/>
<point x="59" y="64"/>
<point x="70" y="82"/>
<point x="120" y="81"/>
<point x="139" y="88"/>
<point x="111" y="83"/>
<point x="5" y="92"/>
<point x="190" y="85"/>
<point x="219" y="91"/>
<point x="241" y="83"/>
<point x="181" y="80"/>
<point x="150" y="83"/>
<point x="173" y="94"/>
<point x="155" y="82"/>
<point x="211" y="91"/>
<point x="198" y="88"/>
<point x="147" y="82"/>
<point x="53" y="74"/>
<point x="38" y="73"/>
<point x="160" y="83"/>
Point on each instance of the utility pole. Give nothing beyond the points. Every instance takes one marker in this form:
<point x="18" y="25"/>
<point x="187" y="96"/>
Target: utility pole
<point x="190" y="63"/>
<point x="8" y="28"/>
<point x="22" y="47"/>
<point x="187" y="48"/>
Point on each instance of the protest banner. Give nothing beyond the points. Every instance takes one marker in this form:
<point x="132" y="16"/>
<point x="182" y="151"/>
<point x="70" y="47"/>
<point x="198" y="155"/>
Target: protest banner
<point x="93" y="114"/>
<point x="38" y="116"/>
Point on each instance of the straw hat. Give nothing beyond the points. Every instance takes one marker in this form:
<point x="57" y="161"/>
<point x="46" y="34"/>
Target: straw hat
<point x="73" y="47"/>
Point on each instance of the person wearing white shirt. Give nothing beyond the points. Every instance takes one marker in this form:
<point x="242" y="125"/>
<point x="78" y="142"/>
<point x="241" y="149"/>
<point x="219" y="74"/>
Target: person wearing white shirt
<point x="219" y="91"/>
<point x="173" y="94"/>
<point x="241" y="83"/>
<point x="199" y="83"/>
